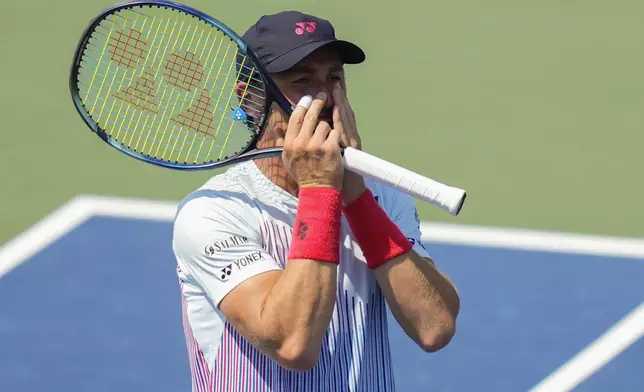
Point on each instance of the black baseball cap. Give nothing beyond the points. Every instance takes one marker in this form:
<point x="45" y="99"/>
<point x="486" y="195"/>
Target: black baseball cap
<point x="284" y="39"/>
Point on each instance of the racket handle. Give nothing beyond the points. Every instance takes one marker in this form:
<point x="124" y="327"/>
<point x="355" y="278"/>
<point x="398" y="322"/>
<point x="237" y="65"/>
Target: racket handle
<point x="446" y="197"/>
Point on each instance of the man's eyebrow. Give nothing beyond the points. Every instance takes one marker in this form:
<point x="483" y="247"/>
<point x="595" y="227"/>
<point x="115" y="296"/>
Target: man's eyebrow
<point x="299" y="69"/>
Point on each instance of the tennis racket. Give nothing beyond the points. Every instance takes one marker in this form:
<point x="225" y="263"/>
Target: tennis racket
<point x="174" y="87"/>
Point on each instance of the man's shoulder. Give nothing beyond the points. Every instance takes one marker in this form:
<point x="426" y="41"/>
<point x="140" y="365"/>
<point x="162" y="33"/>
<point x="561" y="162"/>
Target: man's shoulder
<point x="229" y="192"/>
<point x="241" y="177"/>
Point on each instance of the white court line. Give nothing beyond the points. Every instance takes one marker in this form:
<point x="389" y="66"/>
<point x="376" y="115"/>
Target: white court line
<point x="534" y="240"/>
<point x="44" y="233"/>
<point x="617" y="339"/>
<point x="142" y="209"/>
<point x="596" y="355"/>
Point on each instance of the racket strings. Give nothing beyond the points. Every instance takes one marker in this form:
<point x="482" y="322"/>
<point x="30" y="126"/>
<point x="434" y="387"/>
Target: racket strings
<point x="260" y="94"/>
<point x="182" y="117"/>
<point x="142" y="92"/>
<point x="141" y="25"/>
<point x="246" y="68"/>
<point x="240" y="143"/>
<point x="166" y="144"/>
<point x="245" y="75"/>
<point x="188" y="115"/>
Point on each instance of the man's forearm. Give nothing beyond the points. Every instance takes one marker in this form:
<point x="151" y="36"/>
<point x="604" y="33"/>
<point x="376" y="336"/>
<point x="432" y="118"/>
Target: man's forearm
<point x="298" y="309"/>
<point x="421" y="298"/>
<point x="301" y="302"/>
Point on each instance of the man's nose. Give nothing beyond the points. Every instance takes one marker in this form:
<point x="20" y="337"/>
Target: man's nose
<point x="327" y="88"/>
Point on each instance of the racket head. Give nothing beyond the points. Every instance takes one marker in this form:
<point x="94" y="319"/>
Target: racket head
<point x="169" y="85"/>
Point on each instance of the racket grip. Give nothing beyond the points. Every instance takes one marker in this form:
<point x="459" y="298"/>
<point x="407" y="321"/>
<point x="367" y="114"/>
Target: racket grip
<point x="446" y="197"/>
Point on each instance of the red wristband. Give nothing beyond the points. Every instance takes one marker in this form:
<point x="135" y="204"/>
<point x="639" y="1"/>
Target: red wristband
<point x="379" y="238"/>
<point x="316" y="230"/>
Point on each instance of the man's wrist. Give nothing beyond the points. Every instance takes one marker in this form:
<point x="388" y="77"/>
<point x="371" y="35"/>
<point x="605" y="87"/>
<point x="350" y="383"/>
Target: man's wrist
<point x="316" y="230"/>
<point x="353" y="187"/>
<point x="377" y="235"/>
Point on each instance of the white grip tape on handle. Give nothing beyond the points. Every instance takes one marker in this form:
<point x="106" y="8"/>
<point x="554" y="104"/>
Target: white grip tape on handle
<point x="446" y="197"/>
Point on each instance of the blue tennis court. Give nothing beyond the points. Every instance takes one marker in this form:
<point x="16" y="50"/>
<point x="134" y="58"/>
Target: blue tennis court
<point x="99" y="310"/>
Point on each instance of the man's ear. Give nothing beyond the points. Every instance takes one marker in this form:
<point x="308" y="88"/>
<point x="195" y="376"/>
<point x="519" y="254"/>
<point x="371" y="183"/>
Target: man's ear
<point x="241" y="90"/>
<point x="250" y="98"/>
<point x="278" y="124"/>
<point x="280" y="135"/>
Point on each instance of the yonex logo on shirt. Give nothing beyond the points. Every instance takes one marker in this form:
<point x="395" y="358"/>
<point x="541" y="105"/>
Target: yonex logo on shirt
<point x="227" y="271"/>
<point x="250" y="259"/>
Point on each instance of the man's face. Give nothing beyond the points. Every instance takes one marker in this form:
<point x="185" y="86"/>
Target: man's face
<point x="316" y="73"/>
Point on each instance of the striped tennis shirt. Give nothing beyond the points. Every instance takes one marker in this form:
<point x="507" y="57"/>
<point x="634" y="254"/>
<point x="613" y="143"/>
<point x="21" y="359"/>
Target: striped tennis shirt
<point x="238" y="225"/>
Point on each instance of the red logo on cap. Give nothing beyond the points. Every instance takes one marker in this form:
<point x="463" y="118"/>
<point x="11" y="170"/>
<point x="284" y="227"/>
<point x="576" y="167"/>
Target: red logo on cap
<point x="302" y="26"/>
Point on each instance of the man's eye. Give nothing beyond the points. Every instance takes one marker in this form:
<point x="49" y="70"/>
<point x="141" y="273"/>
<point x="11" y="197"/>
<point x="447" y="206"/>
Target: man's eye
<point x="336" y="78"/>
<point x="301" y="81"/>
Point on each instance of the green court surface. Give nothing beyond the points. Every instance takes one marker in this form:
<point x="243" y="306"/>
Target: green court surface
<point x="535" y="107"/>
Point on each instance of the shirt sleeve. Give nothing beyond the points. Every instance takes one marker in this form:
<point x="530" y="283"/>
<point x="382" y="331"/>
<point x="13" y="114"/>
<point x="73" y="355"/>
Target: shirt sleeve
<point x="402" y="211"/>
<point x="216" y="241"/>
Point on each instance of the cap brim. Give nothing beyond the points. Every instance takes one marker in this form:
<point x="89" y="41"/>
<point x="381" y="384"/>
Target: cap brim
<point x="349" y="54"/>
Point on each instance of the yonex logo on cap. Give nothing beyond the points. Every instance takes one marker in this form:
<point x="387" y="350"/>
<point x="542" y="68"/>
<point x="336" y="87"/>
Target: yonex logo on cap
<point x="305" y="26"/>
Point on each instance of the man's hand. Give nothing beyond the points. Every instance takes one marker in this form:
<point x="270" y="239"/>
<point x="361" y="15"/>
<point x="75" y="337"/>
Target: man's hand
<point x="344" y="120"/>
<point x="349" y="131"/>
<point x="311" y="148"/>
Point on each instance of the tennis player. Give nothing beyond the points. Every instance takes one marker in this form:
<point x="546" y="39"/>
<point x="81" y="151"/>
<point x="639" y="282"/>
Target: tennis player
<point x="287" y="264"/>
